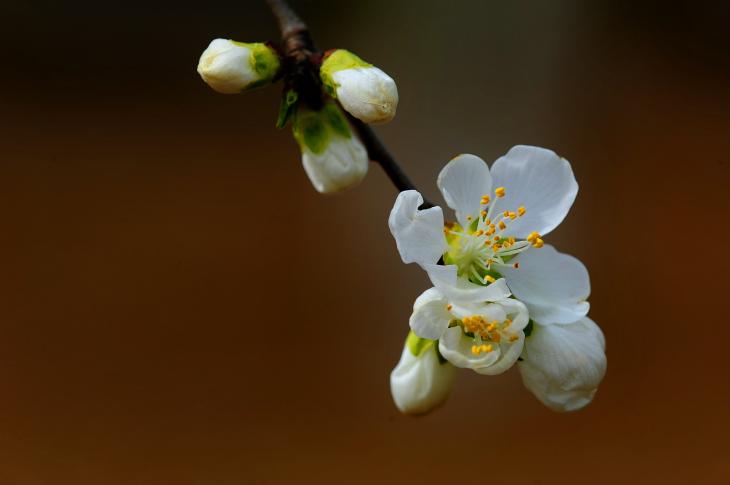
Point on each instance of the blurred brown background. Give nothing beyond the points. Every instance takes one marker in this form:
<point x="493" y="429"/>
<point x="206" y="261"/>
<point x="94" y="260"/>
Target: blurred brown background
<point x="177" y="304"/>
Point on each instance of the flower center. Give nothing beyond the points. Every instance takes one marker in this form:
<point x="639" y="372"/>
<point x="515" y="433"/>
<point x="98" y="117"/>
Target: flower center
<point x="479" y="250"/>
<point x="487" y="334"/>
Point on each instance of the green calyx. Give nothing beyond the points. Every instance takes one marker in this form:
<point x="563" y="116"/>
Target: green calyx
<point x="263" y="60"/>
<point x="338" y="60"/>
<point x="418" y="346"/>
<point x="314" y="129"/>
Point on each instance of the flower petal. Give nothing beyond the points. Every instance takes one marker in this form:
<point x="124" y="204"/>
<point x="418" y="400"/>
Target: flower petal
<point x="463" y="182"/>
<point x="430" y="318"/>
<point x="459" y="290"/>
<point x="553" y="285"/>
<point x="510" y="352"/>
<point x="418" y="233"/>
<point x="564" y="364"/>
<point x="456" y="348"/>
<point x="541" y="182"/>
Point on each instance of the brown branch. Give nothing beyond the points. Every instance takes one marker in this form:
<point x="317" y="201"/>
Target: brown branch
<point x="301" y="61"/>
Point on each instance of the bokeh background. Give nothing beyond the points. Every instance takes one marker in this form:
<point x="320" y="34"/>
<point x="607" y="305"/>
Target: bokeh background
<point x="177" y="304"/>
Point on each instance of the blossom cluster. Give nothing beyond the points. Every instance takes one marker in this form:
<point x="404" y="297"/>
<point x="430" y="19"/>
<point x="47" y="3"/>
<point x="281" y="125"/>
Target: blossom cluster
<point x="501" y="296"/>
<point x="333" y="155"/>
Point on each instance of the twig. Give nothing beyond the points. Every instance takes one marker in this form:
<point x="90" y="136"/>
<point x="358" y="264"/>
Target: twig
<point x="302" y="62"/>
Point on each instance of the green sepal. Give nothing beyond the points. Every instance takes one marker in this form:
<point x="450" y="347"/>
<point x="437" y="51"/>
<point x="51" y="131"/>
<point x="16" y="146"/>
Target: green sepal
<point x="529" y="328"/>
<point x="418" y="346"/>
<point x="287" y="108"/>
<point x="314" y="129"/>
<point x="338" y="60"/>
<point x="264" y="60"/>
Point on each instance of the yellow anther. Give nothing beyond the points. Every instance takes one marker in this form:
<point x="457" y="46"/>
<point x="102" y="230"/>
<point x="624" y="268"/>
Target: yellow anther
<point x="475" y="349"/>
<point x="505" y="213"/>
<point x="468" y="218"/>
<point x="513" y="215"/>
<point x="538" y="243"/>
<point x="502" y="225"/>
<point x="507" y="323"/>
<point x="499" y="191"/>
<point x="487" y="222"/>
<point x="511" y="240"/>
<point x="489" y="279"/>
<point x="491" y="326"/>
<point x="533" y="236"/>
<point x="449" y="307"/>
<point x="514" y="338"/>
<point x="483" y="214"/>
<point x="480" y="232"/>
<point x="521" y="211"/>
<point x="486" y="348"/>
<point x="496" y="247"/>
<point x="485" y="199"/>
<point x="495" y="336"/>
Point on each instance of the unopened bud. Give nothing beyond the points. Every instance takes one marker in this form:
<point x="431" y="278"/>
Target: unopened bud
<point x="422" y="380"/>
<point x="333" y="156"/>
<point x="365" y="91"/>
<point x="230" y="67"/>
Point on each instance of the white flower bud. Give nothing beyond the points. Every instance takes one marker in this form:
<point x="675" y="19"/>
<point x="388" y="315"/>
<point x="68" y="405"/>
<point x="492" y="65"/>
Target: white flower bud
<point x="333" y="156"/>
<point x="230" y="67"/>
<point x="365" y="91"/>
<point x="421" y="381"/>
<point x="564" y="364"/>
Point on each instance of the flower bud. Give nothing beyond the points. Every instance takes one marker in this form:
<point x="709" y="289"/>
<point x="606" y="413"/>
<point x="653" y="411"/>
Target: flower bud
<point x="421" y="381"/>
<point x="230" y="67"/>
<point x="564" y="364"/>
<point x="365" y="91"/>
<point x="333" y="156"/>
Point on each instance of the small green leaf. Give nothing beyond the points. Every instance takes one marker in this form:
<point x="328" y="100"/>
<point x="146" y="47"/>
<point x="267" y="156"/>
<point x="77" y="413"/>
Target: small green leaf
<point x="286" y="108"/>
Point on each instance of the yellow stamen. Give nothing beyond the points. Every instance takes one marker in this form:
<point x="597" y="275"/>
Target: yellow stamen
<point x="475" y="349"/>
<point x="502" y="225"/>
<point x="521" y="211"/>
<point x="489" y="278"/>
<point x="486" y="348"/>
<point x="514" y="338"/>
<point x="499" y="191"/>
<point x="449" y="307"/>
<point x="538" y="243"/>
<point x="483" y="214"/>
<point x="513" y="215"/>
<point x="485" y="199"/>
<point x="533" y="236"/>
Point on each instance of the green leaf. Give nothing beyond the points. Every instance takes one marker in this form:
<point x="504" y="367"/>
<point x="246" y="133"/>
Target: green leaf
<point x="286" y="108"/>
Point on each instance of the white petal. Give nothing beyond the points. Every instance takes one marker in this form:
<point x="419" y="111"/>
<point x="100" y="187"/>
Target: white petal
<point x="553" y="285"/>
<point x="564" y="364"/>
<point x="463" y="182"/>
<point x="420" y="384"/>
<point x="430" y="317"/>
<point x="456" y="348"/>
<point x="367" y="93"/>
<point x="510" y="352"/>
<point x="463" y="291"/>
<point x="540" y="181"/>
<point x="419" y="234"/>
<point x="343" y="164"/>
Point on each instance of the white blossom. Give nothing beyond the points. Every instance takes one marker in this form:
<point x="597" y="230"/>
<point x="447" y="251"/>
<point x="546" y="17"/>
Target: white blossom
<point x="333" y="156"/>
<point x="421" y="381"/>
<point x="230" y="67"/>
<point x="364" y="90"/>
